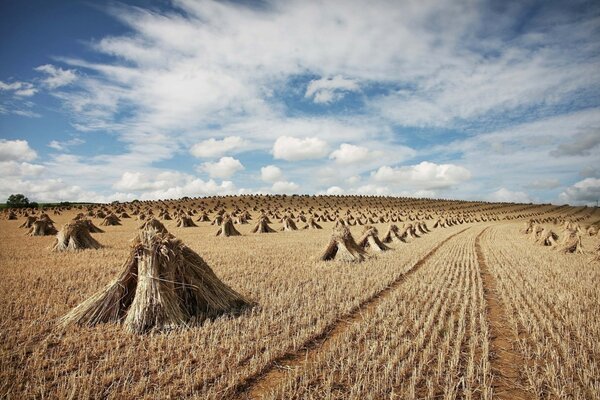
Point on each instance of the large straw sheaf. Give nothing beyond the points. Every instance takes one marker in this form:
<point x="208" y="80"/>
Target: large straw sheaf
<point x="227" y="229"/>
<point x="164" y="284"/>
<point x="370" y="240"/>
<point x="343" y="247"/>
<point x="75" y="236"/>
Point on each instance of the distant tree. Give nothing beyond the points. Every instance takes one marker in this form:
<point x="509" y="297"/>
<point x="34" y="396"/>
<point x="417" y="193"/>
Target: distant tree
<point x="17" y="201"/>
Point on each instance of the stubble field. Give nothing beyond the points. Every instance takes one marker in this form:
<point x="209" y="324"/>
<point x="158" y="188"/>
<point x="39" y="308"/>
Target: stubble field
<point x="476" y="309"/>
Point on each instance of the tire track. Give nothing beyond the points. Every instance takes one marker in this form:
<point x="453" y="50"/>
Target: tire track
<point x="255" y="386"/>
<point x="506" y="362"/>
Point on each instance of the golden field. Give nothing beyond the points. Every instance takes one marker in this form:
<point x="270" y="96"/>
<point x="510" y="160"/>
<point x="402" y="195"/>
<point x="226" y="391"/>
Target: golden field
<point x="475" y="310"/>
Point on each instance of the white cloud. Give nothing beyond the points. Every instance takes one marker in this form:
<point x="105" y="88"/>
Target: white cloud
<point x="20" y="89"/>
<point x="350" y="154"/>
<point x="139" y="181"/>
<point x="586" y="191"/>
<point x="55" y="76"/>
<point x="14" y="168"/>
<point x="214" y="147"/>
<point x="152" y="185"/>
<point x="327" y="90"/>
<point x="371" y="189"/>
<point x="284" y="187"/>
<point x="224" y="168"/>
<point x="504" y="195"/>
<point x="426" y="175"/>
<point x="270" y="173"/>
<point x="335" y="190"/>
<point x="16" y="150"/>
<point x="64" y="145"/>
<point x="295" y="149"/>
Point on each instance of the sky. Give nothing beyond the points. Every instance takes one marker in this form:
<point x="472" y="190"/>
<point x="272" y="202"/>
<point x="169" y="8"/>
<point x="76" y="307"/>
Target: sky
<point x="470" y="100"/>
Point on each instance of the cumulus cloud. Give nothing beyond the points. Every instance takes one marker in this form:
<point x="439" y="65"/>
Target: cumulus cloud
<point x="586" y="191"/>
<point x="270" y="173"/>
<point x="139" y="181"/>
<point x="55" y="76"/>
<point x="14" y="168"/>
<point x="426" y="175"/>
<point x="328" y="90"/>
<point x="284" y="187"/>
<point x="152" y="185"/>
<point x="335" y="190"/>
<point x="504" y="195"/>
<point x="350" y="154"/>
<point x="16" y="150"/>
<point x="296" y="149"/>
<point x="214" y="147"/>
<point x="224" y="168"/>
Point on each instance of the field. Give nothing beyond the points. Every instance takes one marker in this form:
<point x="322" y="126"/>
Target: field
<point x="475" y="308"/>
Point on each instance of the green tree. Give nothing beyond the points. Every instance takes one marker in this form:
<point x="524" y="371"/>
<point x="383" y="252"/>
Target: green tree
<point x="17" y="201"/>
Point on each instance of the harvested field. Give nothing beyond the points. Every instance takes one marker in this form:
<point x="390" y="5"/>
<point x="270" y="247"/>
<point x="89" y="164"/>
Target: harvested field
<point x="474" y="308"/>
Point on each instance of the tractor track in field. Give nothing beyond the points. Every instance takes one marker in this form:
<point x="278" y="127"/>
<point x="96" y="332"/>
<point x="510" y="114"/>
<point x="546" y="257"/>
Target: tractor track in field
<point x="269" y="377"/>
<point x="506" y="362"/>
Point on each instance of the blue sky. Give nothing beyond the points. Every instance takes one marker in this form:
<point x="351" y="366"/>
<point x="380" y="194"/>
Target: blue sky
<point x="475" y="100"/>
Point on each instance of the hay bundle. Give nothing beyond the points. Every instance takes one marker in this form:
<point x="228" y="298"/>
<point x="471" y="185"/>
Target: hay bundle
<point x="111" y="220"/>
<point x="241" y="219"/>
<point x="393" y="235"/>
<point x="155" y="224"/>
<point x="547" y="238"/>
<point x="46" y="217"/>
<point x="185" y="222"/>
<point x="218" y="220"/>
<point x="74" y="236"/>
<point x="572" y="243"/>
<point x="124" y="215"/>
<point x="288" y="224"/>
<point x="527" y="228"/>
<point x="535" y="232"/>
<point x="408" y="233"/>
<point x="592" y="230"/>
<point x="342" y="247"/>
<point x="265" y="217"/>
<point x="28" y="222"/>
<point x="11" y="215"/>
<point x="439" y="224"/>
<point x="203" y="217"/>
<point x="164" y="284"/>
<point x="370" y="241"/>
<point x="41" y="227"/>
<point x="227" y="229"/>
<point x="91" y="227"/>
<point x="312" y="224"/>
<point x="262" y="226"/>
<point x="164" y="215"/>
